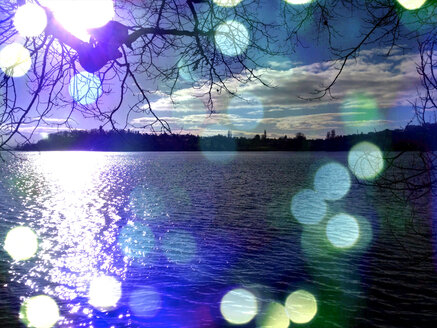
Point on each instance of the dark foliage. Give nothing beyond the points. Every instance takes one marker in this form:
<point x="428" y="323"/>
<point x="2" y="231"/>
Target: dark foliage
<point x="414" y="138"/>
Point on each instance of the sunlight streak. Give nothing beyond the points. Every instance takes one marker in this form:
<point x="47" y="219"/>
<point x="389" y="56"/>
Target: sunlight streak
<point x="78" y="16"/>
<point x="77" y="222"/>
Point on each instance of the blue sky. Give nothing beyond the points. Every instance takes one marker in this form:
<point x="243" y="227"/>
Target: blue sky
<point x="374" y="92"/>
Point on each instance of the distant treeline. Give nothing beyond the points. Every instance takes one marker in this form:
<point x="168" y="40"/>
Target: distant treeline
<point x="410" y="138"/>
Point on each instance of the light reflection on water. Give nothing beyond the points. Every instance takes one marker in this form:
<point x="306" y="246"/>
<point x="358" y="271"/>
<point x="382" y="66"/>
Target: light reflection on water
<point x="209" y="227"/>
<point x="71" y="209"/>
<point x="82" y="227"/>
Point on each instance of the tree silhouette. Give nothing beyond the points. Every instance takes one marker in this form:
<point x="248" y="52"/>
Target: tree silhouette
<point x="388" y="24"/>
<point x="147" y="41"/>
<point x="150" y="44"/>
<point x="414" y="177"/>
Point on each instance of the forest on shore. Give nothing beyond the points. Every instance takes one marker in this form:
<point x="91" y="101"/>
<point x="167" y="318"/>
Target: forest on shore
<point x="412" y="138"/>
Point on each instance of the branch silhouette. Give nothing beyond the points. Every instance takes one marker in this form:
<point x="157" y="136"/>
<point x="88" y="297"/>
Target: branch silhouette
<point x="148" y="45"/>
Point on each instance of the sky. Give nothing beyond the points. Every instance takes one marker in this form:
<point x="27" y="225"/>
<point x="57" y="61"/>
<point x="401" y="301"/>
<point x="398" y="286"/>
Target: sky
<point x="374" y="92"/>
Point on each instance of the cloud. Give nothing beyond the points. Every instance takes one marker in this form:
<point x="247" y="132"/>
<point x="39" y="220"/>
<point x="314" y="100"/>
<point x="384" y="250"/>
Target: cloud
<point x="45" y="129"/>
<point x="279" y="65"/>
<point x="318" y="122"/>
<point x="47" y="120"/>
<point x="291" y="102"/>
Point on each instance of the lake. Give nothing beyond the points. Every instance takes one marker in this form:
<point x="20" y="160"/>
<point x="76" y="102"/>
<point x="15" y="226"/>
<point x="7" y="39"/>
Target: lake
<point x="216" y="239"/>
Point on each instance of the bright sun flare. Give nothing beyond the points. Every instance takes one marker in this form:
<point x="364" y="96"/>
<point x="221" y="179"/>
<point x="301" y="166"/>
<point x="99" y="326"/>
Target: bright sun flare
<point x="79" y="15"/>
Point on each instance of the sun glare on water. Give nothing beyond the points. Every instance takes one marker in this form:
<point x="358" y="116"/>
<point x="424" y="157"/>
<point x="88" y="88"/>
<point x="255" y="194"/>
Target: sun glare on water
<point x="79" y="15"/>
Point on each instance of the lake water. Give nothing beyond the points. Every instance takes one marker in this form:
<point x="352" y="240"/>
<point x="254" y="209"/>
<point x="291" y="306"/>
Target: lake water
<point x="158" y="240"/>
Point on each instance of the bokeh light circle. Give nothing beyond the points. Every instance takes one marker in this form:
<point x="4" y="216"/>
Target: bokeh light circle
<point x="366" y="160"/>
<point x="30" y="20"/>
<point x="136" y="240"/>
<point x="411" y="4"/>
<point x="301" y="306"/>
<point x="308" y="207"/>
<point x="332" y="181"/>
<point x="227" y="3"/>
<point x="15" y="60"/>
<point x="85" y="88"/>
<point x="40" y="312"/>
<point x="179" y="247"/>
<point x="145" y="302"/>
<point x="232" y="38"/>
<point x="342" y="230"/>
<point x="186" y="71"/>
<point x="239" y="306"/>
<point x="360" y="111"/>
<point x="104" y="292"/>
<point x="21" y="243"/>
<point x="275" y="316"/>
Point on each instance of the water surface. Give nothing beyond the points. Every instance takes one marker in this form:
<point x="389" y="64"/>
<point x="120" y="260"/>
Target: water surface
<point x="179" y="230"/>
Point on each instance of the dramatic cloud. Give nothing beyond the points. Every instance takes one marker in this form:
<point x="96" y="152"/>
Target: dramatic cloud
<point x="373" y="92"/>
